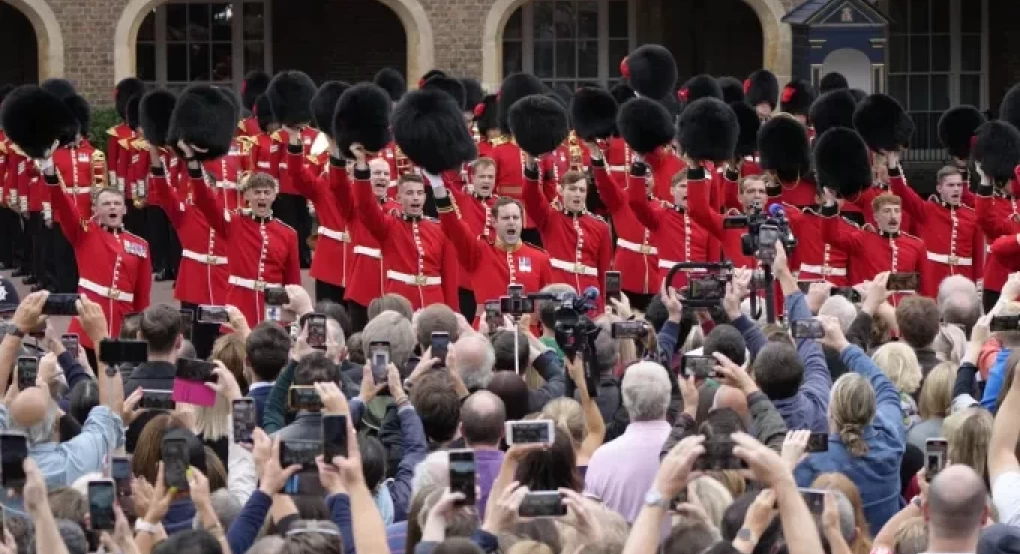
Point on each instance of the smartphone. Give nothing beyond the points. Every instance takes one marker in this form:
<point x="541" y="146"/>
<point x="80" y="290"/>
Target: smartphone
<point x="191" y="369"/>
<point x="101" y="494"/>
<point x="518" y="306"/>
<point x="121" y="351"/>
<point x="277" y="296"/>
<point x="440" y="346"/>
<point x="175" y="463"/>
<point x="28" y="372"/>
<point x="299" y="452"/>
<point x="379" y="357"/>
<point x="808" y="329"/>
<point x="303" y="397"/>
<point x="818" y="442"/>
<point x="157" y="400"/>
<point x="120" y="471"/>
<point x="462" y="474"/>
<point x="718" y="456"/>
<point x="530" y="432"/>
<point x="542" y="504"/>
<point x="61" y="304"/>
<point x="213" y="314"/>
<point x="71" y="343"/>
<point x="493" y="314"/>
<point x="243" y="412"/>
<point x="628" y="329"/>
<point x="815" y="500"/>
<point x="1004" y="323"/>
<point x="849" y="293"/>
<point x="613" y="285"/>
<point x="334" y="436"/>
<point x="899" y="282"/>
<point x="187" y="322"/>
<point x="935" y="452"/>
<point x="13" y="451"/>
<point x="706" y="289"/>
<point x="700" y="367"/>
<point x="316" y="326"/>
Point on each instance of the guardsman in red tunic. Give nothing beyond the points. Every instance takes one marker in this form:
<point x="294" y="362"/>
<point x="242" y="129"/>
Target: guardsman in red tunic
<point x="113" y="265"/>
<point x="998" y="214"/>
<point x="263" y="249"/>
<point x="786" y="158"/>
<point x="292" y="208"/>
<point x="487" y="124"/>
<point x="475" y="210"/>
<point x="1004" y="253"/>
<point x="419" y="261"/>
<point x="36" y="209"/>
<point x="227" y="172"/>
<point x="121" y="132"/>
<point x="796" y="99"/>
<point x="22" y="237"/>
<point x="753" y="195"/>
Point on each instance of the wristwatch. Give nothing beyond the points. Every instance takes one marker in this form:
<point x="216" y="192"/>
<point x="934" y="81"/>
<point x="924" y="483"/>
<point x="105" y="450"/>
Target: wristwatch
<point x="13" y="331"/>
<point x="654" y="499"/>
<point x="745" y="534"/>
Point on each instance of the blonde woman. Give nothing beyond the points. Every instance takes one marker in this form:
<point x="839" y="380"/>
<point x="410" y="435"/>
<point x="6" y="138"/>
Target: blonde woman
<point x="899" y="363"/>
<point x="933" y="404"/>
<point x="950" y="344"/>
<point x="969" y="433"/>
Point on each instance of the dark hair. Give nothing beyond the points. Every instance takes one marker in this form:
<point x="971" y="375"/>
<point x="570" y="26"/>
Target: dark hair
<point x="373" y="461"/>
<point x="778" y="370"/>
<point x="503" y="346"/>
<point x="83" y="397"/>
<point x="733" y="521"/>
<point x="316" y="368"/>
<point x="551" y="468"/>
<point x="482" y="426"/>
<point x="688" y="537"/>
<point x="457" y="545"/>
<point x="356" y="349"/>
<point x="267" y="349"/>
<point x="728" y="341"/>
<point x="918" y="320"/>
<point x="513" y="391"/>
<point x="503" y="201"/>
<point x="337" y="313"/>
<point x="656" y="313"/>
<point x="189" y="541"/>
<point x="130" y="325"/>
<point x="390" y="301"/>
<point x="437" y="405"/>
<point x="160" y="326"/>
<point x="436" y="318"/>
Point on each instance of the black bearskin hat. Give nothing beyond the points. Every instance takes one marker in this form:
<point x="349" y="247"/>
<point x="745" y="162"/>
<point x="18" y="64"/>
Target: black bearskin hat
<point x="515" y="87"/>
<point x="487" y="114"/>
<point x="450" y="86"/>
<point x="131" y="111"/>
<point x="82" y="112"/>
<point x="859" y="95"/>
<point x="797" y="97"/>
<point x="645" y="125"/>
<point x="762" y="87"/>
<point x="4" y="91"/>
<point x="783" y="146"/>
<point x="651" y="70"/>
<point x="428" y="126"/>
<point x="205" y="118"/>
<point x="1009" y="109"/>
<point x="747" y="118"/>
<point x="363" y="115"/>
<point x="324" y="105"/>
<point x="154" y="114"/>
<point x="883" y="123"/>
<point x="957" y="127"/>
<point x="732" y="89"/>
<point x="699" y="86"/>
<point x="833" y="80"/>
<point x="234" y="99"/>
<point x="392" y="81"/>
<point x="473" y="93"/>
<point x="538" y="123"/>
<point x="290" y="95"/>
<point x="263" y="113"/>
<point x="430" y="74"/>
<point x="997" y="149"/>
<point x="622" y="92"/>
<point x="833" y="109"/>
<point x="255" y="84"/>
<point x="708" y="130"/>
<point x="593" y="112"/>
<point x="61" y="88"/>
<point x="34" y="119"/>
<point x="842" y="162"/>
<point x="672" y="104"/>
<point x="563" y="93"/>
<point x="127" y="88"/>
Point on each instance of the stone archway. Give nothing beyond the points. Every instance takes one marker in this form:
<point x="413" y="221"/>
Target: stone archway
<point x="421" y="52"/>
<point x="49" y="39"/>
<point x="776" y="35"/>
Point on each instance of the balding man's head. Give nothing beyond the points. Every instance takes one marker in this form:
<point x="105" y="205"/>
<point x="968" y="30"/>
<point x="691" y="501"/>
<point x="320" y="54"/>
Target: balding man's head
<point x="475" y="360"/>
<point x="959" y="302"/>
<point x="956" y="507"/>
<point x="34" y="413"/>
<point x="733" y="398"/>
<point x="481" y="419"/>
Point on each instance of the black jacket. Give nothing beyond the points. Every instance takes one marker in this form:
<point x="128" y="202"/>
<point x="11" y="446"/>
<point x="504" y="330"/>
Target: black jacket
<point x="151" y="375"/>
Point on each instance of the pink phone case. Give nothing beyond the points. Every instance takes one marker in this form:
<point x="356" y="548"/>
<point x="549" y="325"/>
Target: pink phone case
<point x="194" y="392"/>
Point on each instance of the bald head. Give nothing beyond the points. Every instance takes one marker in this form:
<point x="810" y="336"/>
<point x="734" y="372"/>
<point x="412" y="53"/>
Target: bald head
<point x="34" y="413"/>
<point x="733" y="398"/>
<point x="481" y="419"/>
<point x="956" y="506"/>
<point x="475" y="359"/>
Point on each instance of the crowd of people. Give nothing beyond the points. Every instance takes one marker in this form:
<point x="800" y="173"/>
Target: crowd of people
<point x="507" y="327"/>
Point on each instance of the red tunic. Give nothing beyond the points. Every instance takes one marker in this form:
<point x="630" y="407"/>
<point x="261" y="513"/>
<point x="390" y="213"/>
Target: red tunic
<point x="664" y="164"/>
<point x="5" y="148"/>
<point x="997" y="216"/>
<point x="333" y="249"/>
<point x="114" y="268"/>
<point x="802" y="194"/>
<point x="119" y="159"/>
<point x="873" y="252"/>
<point x="31" y="189"/>
<point x="818" y="259"/>
<point x="249" y="127"/>
<point x="712" y="221"/>
<point x="226" y="170"/>
<point x="278" y="154"/>
<point x="863" y="203"/>
<point x="476" y="214"/>
<point x="1004" y="256"/>
<point x="77" y="173"/>
<point x="636" y="259"/>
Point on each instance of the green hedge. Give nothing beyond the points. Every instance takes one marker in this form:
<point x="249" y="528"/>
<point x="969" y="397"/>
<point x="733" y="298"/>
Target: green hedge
<point x="102" y="119"/>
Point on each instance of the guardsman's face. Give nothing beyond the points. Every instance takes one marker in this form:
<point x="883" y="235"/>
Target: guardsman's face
<point x="509" y="223"/>
<point x="485" y="179"/>
<point x="680" y="194"/>
<point x="110" y="209"/>
<point x="575" y="194"/>
<point x="951" y="189"/>
<point x="754" y="194"/>
<point x="380" y="171"/>
<point x="764" y="111"/>
<point x="412" y="197"/>
<point x="888" y="218"/>
<point x="260" y="200"/>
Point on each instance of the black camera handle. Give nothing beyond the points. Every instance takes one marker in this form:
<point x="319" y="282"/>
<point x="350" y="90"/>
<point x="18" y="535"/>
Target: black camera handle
<point x="770" y="295"/>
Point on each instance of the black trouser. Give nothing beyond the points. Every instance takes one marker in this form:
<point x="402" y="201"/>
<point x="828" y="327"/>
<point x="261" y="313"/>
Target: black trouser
<point x="359" y="316"/>
<point x="990" y="298"/>
<point x="158" y="232"/>
<point x="292" y="209"/>
<point x="134" y="220"/>
<point x="61" y="266"/>
<point x="203" y="335"/>
<point x="468" y="305"/>
<point x="328" y="291"/>
<point x="40" y="235"/>
<point x="532" y="236"/>
<point x="19" y="248"/>
<point x="10" y="229"/>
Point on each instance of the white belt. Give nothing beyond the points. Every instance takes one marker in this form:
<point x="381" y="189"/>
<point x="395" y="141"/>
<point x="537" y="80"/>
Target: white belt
<point x="949" y="260"/>
<point x="251" y="284"/>
<point x="264" y="164"/>
<point x="827" y="270"/>
<point x="668" y="264"/>
<point x="616" y="168"/>
<point x="414" y="280"/>
<point x="635" y="247"/>
<point x="207" y="259"/>
<point x="575" y="268"/>
<point x="79" y="190"/>
<point x="338" y="236"/>
<point x="370" y="252"/>
<point x="230" y="185"/>
<point x="106" y="292"/>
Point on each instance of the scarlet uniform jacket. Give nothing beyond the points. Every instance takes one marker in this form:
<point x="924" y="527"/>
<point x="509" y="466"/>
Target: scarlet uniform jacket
<point x="75" y="163"/>
<point x="1005" y="254"/>
<point x="333" y="250"/>
<point x="248" y="127"/>
<point x="998" y="214"/>
<point x="664" y="164"/>
<point x="872" y="252"/>
<point x="227" y="171"/>
<point x="263" y="251"/>
<point x="203" y="273"/>
<point x="28" y="181"/>
<point x="475" y="212"/>
<point x="510" y="162"/>
<point x="699" y="184"/>
<point x="636" y="258"/>
<point x="802" y="193"/>
<point x="116" y="153"/>
<point x="138" y="174"/>
<point x="817" y="259"/>
<point x="114" y="267"/>
<point x="862" y="203"/>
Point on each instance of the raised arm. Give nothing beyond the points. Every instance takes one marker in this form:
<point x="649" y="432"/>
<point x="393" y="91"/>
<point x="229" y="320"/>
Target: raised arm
<point x="143" y="282"/>
<point x="913" y="204"/>
<point x="206" y="200"/>
<point x="340" y="183"/>
<point x="535" y="201"/>
<point x="608" y="189"/>
<point x="841" y="236"/>
<point x="467" y="246"/>
<point x="65" y="209"/>
<point x="307" y="183"/>
<point x="163" y="196"/>
<point x="637" y="198"/>
<point x="698" y="182"/>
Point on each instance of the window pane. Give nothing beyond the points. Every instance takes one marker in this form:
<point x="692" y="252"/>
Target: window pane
<point x="543" y="20"/>
<point x="145" y="60"/>
<point x="970" y="16"/>
<point x="898" y="54"/>
<point x="588" y="20"/>
<point x="566" y="59"/>
<point x="198" y="63"/>
<point x="544" y="59"/>
<point x="898" y="14"/>
<point x="970" y="52"/>
<point x="940" y="52"/>
<point x="254" y="20"/>
<point x="147" y="30"/>
<point x="970" y="90"/>
<point x="939" y="92"/>
<point x="618" y="49"/>
<point x="919" y="16"/>
<point x="222" y="62"/>
<point x="254" y="56"/>
<point x="618" y="19"/>
<point x="919" y="93"/>
<point x="198" y="22"/>
<point x="940" y="16"/>
<point x="566" y="20"/>
<point x="513" y="58"/>
<point x="176" y="22"/>
<point x="919" y="54"/>
<point x="177" y="62"/>
<point x="588" y="60"/>
<point x="898" y="90"/>
<point x="514" y="25"/>
<point x="222" y="15"/>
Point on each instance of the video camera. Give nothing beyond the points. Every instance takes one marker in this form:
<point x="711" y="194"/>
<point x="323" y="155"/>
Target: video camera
<point x="575" y="332"/>
<point x="763" y="230"/>
<point x="706" y="283"/>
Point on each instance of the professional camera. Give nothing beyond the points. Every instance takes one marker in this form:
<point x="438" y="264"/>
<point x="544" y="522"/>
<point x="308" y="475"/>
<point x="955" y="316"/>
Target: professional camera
<point x="575" y="332"/>
<point x="763" y="230"/>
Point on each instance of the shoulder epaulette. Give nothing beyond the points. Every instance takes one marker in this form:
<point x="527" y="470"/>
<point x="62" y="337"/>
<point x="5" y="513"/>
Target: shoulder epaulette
<point x="17" y="150"/>
<point x="915" y="237"/>
<point x="3" y="147"/>
<point x="136" y="237"/>
<point x="124" y="144"/>
<point x="869" y="227"/>
<point x="240" y="124"/>
<point x="275" y="136"/>
<point x="112" y="131"/>
<point x="598" y="217"/>
<point x="539" y="248"/>
<point x="850" y="221"/>
<point x="281" y="222"/>
<point x="140" y="144"/>
<point x="500" y="140"/>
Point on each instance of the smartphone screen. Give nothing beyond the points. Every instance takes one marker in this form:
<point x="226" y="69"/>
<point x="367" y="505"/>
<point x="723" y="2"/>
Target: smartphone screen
<point x="299" y="452"/>
<point x="28" y="371"/>
<point x="187" y="322"/>
<point x="440" y="345"/>
<point x="13" y="451"/>
<point x="542" y="504"/>
<point x="304" y="398"/>
<point x="529" y="432"/>
<point x="175" y="463"/>
<point x="627" y="329"/>
<point x="935" y="452"/>
<point x="462" y="474"/>
<point x="379" y="357"/>
<point x="213" y="314"/>
<point x="120" y="471"/>
<point x="815" y="500"/>
<point x="317" y="331"/>
<point x="699" y="367"/>
<point x="101" y="495"/>
<point x="903" y="282"/>
<point x="70" y="343"/>
<point x="818" y="442"/>
<point x="243" y="411"/>
<point x="191" y="369"/>
<point x="493" y="314"/>
<point x="277" y="296"/>
<point x="157" y="400"/>
<point x="334" y="436"/>
<point x="613" y="284"/>
<point x="61" y="304"/>
<point x="113" y="352"/>
<point x="808" y="329"/>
